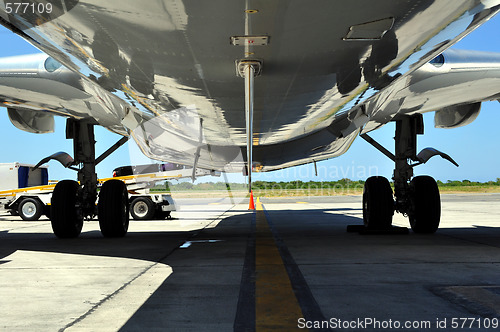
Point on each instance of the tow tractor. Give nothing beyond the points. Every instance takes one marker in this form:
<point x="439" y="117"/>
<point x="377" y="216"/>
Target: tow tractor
<point x="27" y="192"/>
<point x="24" y="190"/>
<point x="139" y="179"/>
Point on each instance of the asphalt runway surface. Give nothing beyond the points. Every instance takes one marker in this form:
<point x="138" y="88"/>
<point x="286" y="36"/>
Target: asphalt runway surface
<point x="290" y="265"/>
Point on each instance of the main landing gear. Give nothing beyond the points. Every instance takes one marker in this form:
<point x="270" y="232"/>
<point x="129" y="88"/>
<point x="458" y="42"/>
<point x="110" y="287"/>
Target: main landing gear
<point x="416" y="197"/>
<point x="72" y="202"/>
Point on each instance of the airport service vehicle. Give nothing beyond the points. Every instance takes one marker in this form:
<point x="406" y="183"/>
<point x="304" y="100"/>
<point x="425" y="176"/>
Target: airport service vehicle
<point x="24" y="190"/>
<point x="143" y="205"/>
<point x="151" y="206"/>
<point x="140" y="178"/>
<point x="260" y="86"/>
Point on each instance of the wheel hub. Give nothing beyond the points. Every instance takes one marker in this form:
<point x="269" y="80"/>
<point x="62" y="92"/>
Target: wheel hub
<point x="140" y="209"/>
<point x="29" y="209"/>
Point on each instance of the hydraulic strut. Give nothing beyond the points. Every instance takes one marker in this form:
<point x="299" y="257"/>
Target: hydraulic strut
<point x="249" y="86"/>
<point x="248" y="69"/>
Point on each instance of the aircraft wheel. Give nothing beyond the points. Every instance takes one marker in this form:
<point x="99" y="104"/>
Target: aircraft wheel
<point x="426" y="205"/>
<point x="113" y="209"/>
<point x="66" y="221"/>
<point x="378" y="203"/>
<point x="142" y="208"/>
<point x="30" y="209"/>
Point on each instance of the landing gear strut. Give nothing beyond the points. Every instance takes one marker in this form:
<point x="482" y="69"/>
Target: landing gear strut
<point x="72" y="202"/>
<point x="417" y="198"/>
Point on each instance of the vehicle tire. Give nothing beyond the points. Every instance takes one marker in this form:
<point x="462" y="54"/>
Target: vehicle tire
<point x="113" y="209"/>
<point x="142" y="208"/>
<point x="66" y="220"/>
<point x="378" y="203"/>
<point x="426" y="205"/>
<point x="30" y="209"/>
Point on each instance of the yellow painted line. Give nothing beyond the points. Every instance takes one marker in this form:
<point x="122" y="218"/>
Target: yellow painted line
<point x="276" y="307"/>
<point x="302" y="202"/>
<point x="259" y="207"/>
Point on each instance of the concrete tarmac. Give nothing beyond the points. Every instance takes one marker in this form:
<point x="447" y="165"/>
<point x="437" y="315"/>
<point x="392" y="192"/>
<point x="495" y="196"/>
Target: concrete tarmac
<point x="289" y="265"/>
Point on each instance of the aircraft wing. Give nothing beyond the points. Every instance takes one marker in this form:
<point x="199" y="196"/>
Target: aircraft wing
<point x="166" y="72"/>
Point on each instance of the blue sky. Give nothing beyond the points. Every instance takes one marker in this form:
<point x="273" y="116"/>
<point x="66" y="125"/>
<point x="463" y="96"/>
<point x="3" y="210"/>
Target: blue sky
<point x="474" y="147"/>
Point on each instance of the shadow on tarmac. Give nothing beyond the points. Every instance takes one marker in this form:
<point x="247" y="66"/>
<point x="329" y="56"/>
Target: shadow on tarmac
<point x="204" y="286"/>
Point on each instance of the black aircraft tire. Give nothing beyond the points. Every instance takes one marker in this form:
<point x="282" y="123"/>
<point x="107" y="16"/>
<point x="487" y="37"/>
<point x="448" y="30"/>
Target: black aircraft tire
<point x="64" y="217"/>
<point x="142" y="208"/>
<point x="113" y="209"/>
<point x="378" y="203"/>
<point x="426" y="205"/>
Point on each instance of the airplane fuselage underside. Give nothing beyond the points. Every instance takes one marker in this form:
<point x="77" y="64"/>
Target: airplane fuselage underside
<point x="166" y="73"/>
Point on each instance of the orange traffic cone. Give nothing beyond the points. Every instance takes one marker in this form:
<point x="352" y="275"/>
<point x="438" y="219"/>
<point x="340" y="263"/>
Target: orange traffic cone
<point x="251" y="206"/>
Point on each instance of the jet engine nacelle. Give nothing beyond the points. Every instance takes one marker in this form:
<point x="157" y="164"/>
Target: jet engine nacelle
<point x="456" y="116"/>
<point x="31" y="121"/>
